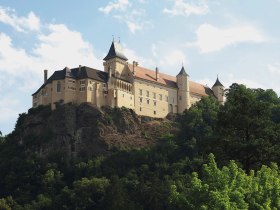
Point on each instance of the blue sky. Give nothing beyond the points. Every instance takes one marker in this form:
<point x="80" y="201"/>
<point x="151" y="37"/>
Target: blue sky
<point x="237" y="39"/>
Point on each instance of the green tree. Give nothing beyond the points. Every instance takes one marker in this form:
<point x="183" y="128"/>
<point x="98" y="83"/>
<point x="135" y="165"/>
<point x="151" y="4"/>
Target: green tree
<point x="88" y="193"/>
<point x="198" y="127"/>
<point x="229" y="188"/>
<point x="247" y="131"/>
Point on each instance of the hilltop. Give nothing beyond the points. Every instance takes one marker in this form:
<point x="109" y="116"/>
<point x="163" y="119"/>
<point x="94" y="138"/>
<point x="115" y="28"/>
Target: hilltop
<point x="84" y="131"/>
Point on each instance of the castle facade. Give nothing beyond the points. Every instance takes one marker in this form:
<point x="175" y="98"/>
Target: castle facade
<point x="147" y="92"/>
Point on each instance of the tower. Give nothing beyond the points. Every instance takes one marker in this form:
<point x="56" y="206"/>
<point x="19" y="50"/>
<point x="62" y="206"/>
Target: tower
<point x="119" y="87"/>
<point x="115" y="61"/>
<point x="183" y="90"/>
<point x="218" y="90"/>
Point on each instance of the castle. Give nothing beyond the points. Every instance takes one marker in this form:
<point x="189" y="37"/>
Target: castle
<point x="147" y="92"/>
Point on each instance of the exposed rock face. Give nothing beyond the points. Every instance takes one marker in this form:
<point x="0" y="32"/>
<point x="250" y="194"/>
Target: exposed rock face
<point x="84" y="131"/>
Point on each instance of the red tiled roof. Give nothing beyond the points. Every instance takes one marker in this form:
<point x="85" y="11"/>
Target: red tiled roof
<point x="168" y="80"/>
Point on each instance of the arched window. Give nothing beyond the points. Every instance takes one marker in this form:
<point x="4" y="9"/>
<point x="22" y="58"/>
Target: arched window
<point x="58" y="87"/>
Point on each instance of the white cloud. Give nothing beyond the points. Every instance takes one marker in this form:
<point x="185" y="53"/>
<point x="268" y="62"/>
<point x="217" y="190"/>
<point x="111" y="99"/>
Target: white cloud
<point x="21" y="71"/>
<point x="183" y="8"/>
<point x="206" y="81"/>
<point x="21" y="24"/>
<point x="133" y="18"/>
<point x="60" y="46"/>
<point x="119" y="5"/>
<point x="7" y="109"/>
<point x="274" y="68"/>
<point x="211" y="38"/>
<point x="132" y="24"/>
<point x="172" y="59"/>
<point x="132" y="56"/>
<point x="64" y="47"/>
<point x="154" y="50"/>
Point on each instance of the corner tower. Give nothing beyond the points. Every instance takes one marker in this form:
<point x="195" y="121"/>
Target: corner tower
<point x="115" y="61"/>
<point x="183" y="90"/>
<point x="218" y="90"/>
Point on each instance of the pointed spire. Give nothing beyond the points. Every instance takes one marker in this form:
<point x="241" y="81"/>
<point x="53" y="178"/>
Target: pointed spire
<point x="115" y="51"/>
<point x="218" y="83"/>
<point x="183" y="72"/>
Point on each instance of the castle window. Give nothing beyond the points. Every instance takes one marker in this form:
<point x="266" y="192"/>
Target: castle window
<point x="82" y="82"/>
<point x="147" y="94"/>
<point x="140" y="109"/>
<point x="155" y="103"/>
<point x="123" y="95"/>
<point x="44" y="92"/>
<point x="58" y="87"/>
<point x="155" y="112"/>
<point x="166" y="98"/>
<point x="104" y="85"/>
<point x="154" y="95"/>
<point x="82" y="89"/>
<point x="160" y="97"/>
<point x="148" y="101"/>
<point x="140" y="92"/>
<point x="140" y="100"/>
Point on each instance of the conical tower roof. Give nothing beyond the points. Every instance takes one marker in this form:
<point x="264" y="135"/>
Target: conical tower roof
<point x="115" y="51"/>
<point x="218" y="83"/>
<point x="183" y="72"/>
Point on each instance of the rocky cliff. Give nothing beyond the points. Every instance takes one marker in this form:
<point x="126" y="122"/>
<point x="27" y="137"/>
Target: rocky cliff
<point x="83" y="131"/>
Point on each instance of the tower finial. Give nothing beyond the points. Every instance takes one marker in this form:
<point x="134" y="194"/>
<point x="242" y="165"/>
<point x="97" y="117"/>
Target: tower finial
<point x="113" y="38"/>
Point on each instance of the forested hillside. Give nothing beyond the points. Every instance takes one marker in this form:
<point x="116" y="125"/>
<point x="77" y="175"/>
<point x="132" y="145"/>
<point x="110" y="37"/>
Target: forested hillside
<point x="211" y="157"/>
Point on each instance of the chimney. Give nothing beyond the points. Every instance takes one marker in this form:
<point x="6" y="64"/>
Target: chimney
<point x="157" y="74"/>
<point x="134" y="64"/>
<point x="45" y="75"/>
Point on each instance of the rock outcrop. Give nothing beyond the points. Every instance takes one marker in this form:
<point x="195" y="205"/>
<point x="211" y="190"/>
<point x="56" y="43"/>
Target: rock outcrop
<point x="83" y="131"/>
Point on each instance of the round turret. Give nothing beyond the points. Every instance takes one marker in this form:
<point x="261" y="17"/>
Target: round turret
<point x="218" y="90"/>
<point x="183" y="90"/>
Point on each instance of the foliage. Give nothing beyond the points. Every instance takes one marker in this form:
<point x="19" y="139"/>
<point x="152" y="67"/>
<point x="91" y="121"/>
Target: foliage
<point x="178" y="173"/>
<point x="229" y="188"/>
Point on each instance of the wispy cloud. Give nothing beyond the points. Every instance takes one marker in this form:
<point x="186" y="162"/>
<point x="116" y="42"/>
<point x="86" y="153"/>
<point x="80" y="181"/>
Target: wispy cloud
<point x="173" y="58"/>
<point x="274" y="68"/>
<point x="7" y="108"/>
<point x="124" y="11"/>
<point x="211" y="38"/>
<point x="119" y="5"/>
<point x="134" y="19"/>
<point x="184" y="8"/>
<point x="133" y="56"/>
<point x="22" y="24"/>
